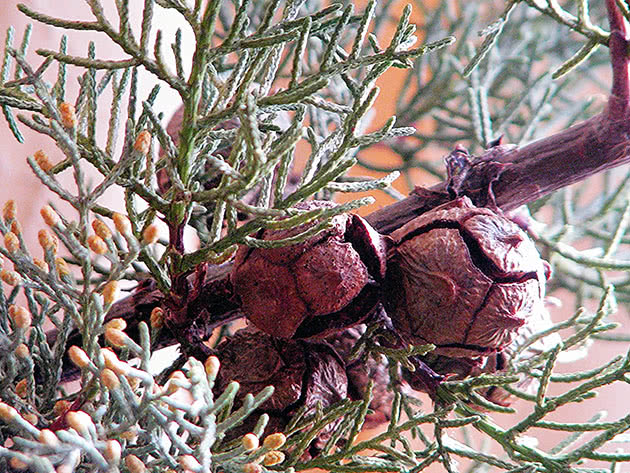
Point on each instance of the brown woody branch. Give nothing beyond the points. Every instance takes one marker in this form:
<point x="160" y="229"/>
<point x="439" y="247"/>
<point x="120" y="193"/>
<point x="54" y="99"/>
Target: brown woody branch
<point x="503" y="176"/>
<point x="510" y="177"/>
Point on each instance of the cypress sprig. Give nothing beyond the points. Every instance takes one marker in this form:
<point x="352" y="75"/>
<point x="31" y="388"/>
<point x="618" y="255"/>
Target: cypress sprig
<point x="275" y="87"/>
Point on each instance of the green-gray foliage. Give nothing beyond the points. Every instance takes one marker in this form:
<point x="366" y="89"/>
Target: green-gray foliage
<point x="300" y="73"/>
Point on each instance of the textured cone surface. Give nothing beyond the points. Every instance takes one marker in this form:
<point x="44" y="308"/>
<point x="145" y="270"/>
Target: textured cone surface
<point x="463" y="278"/>
<point x="282" y="288"/>
<point x="302" y="373"/>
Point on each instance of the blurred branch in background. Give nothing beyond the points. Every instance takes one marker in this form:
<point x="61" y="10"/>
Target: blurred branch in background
<point x="277" y="108"/>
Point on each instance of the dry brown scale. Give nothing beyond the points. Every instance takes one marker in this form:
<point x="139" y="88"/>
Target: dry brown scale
<point x="284" y="289"/>
<point x="499" y="361"/>
<point x="303" y="374"/>
<point x="464" y="279"/>
<point x="461" y="276"/>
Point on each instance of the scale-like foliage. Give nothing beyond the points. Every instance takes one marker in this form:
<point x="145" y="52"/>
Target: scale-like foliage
<point x="268" y="81"/>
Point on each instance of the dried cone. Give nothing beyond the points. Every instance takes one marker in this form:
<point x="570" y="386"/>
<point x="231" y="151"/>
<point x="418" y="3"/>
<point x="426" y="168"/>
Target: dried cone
<point x="460" y="368"/>
<point x="463" y="278"/>
<point x="302" y="374"/>
<point x="286" y="291"/>
<point x="500" y="361"/>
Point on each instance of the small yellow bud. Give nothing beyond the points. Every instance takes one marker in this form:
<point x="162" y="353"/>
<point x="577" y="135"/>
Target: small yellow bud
<point x="188" y="462"/>
<point x="178" y="376"/>
<point x="10" y="277"/>
<point x="157" y="318"/>
<point x="101" y="229"/>
<point x="49" y="215"/>
<point x="273" y="458"/>
<point x="109" y="379"/>
<point x="48" y="437"/>
<point x="171" y="386"/>
<point x="78" y="356"/>
<point x="17" y="464"/>
<point x="97" y="245"/>
<point x="47" y="240"/>
<point x="20" y="316"/>
<point x="61" y="407"/>
<point x="16" y="228"/>
<point x="68" y="115"/>
<point x="22" y="351"/>
<point x="212" y="366"/>
<point x="63" y="270"/>
<point x="113" y="363"/>
<point x="110" y="292"/>
<point x="134" y="464"/>
<point x="112" y="452"/>
<point x="41" y="264"/>
<point x="79" y="421"/>
<point x="11" y="242"/>
<point x="9" y="211"/>
<point x="21" y="388"/>
<point x="117" y="338"/>
<point x="274" y="441"/>
<point x="122" y="223"/>
<point x="250" y="442"/>
<point x="143" y="142"/>
<point x="109" y="357"/>
<point x="7" y="413"/>
<point x="134" y="383"/>
<point x="150" y="234"/>
<point x="42" y="161"/>
<point x="31" y="418"/>
<point x="117" y="323"/>
<point x="252" y="468"/>
<point x="130" y="435"/>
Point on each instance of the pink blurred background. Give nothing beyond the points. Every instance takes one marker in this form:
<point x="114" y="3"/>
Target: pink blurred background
<point x="20" y="184"/>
